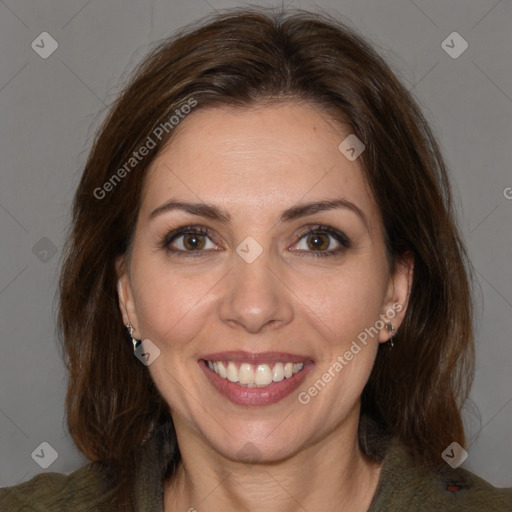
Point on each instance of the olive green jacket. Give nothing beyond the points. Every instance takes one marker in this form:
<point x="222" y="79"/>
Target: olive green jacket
<point x="403" y="486"/>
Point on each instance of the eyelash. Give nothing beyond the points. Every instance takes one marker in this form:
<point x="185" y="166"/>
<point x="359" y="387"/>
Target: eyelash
<point x="340" y="237"/>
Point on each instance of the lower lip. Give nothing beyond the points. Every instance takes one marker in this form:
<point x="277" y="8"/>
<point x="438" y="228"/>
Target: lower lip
<point x="241" y="395"/>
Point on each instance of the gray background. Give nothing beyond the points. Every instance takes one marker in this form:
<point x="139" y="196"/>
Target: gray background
<point x="51" y="107"/>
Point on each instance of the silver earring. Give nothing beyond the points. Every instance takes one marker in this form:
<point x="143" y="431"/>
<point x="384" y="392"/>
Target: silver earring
<point x="135" y="342"/>
<point x="391" y="329"/>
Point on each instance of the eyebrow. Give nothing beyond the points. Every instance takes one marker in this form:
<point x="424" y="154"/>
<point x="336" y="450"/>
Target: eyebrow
<point x="213" y="212"/>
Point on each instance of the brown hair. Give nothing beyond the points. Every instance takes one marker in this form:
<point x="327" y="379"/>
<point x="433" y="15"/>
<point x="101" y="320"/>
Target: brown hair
<point x="241" y="58"/>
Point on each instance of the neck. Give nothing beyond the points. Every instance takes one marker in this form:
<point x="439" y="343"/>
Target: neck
<point x="331" y="475"/>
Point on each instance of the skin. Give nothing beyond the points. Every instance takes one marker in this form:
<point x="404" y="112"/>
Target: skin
<point x="254" y="163"/>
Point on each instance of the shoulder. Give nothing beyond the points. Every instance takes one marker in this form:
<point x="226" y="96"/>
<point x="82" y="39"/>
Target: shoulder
<point x="54" y="492"/>
<point x="459" y="489"/>
<point x="406" y="486"/>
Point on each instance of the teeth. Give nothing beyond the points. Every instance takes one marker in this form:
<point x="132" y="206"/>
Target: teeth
<point x="278" y="372"/>
<point x="251" y="376"/>
<point x="232" y="372"/>
<point x="246" y="374"/>
<point x="297" y="367"/>
<point x="221" y="370"/>
<point x="263" y="376"/>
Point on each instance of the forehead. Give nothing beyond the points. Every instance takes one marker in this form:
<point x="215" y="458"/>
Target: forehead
<point x="256" y="160"/>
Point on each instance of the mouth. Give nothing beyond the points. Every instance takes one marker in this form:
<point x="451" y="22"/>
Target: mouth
<point x="248" y="378"/>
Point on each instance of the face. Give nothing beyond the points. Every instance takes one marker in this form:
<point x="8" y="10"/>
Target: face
<point x="231" y="264"/>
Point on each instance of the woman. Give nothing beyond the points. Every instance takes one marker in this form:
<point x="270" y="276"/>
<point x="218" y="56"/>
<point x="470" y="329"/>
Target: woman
<point x="265" y="222"/>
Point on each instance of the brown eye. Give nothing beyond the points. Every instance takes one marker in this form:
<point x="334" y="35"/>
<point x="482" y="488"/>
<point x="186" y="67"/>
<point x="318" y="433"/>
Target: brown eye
<point x="322" y="241"/>
<point x="318" y="241"/>
<point x="193" y="241"/>
<point x="190" y="239"/>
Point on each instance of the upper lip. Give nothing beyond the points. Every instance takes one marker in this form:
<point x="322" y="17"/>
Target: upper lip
<point x="256" y="357"/>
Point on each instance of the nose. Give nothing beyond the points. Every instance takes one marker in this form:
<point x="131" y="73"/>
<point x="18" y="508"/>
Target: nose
<point x="255" y="299"/>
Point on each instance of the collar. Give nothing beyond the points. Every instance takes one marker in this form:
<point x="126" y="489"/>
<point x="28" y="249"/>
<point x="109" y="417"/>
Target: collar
<point x="159" y="455"/>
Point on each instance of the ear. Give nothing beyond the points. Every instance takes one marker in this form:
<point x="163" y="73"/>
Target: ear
<point x="397" y="297"/>
<point x="124" y="292"/>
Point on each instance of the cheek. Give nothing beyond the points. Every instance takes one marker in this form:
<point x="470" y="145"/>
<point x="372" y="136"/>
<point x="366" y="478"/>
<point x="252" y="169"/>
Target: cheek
<point x="170" y="305"/>
<point x="344" y="303"/>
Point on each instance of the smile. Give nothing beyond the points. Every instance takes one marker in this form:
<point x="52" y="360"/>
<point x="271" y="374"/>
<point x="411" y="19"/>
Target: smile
<point x="250" y="375"/>
<point x="247" y="378"/>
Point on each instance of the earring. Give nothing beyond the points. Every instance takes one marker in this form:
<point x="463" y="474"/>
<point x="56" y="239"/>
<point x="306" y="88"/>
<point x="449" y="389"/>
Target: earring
<point x="135" y="342"/>
<point x="391" y="329"/>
